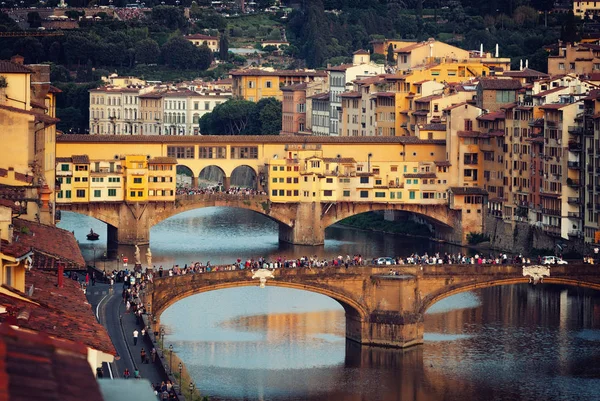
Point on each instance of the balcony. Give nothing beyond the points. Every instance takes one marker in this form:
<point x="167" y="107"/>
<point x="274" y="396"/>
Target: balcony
<point x="573" y="183"/>
<point x="572" y="130"/>
<point x="551" y="123"/>
<point x="551" y="229"/>
<point x="575" y="147"/>
<point x="576" y="233"/>
<point x="588" y="131"/>
<point x="551" y="212"/>
<point x="574" y="201"/>
<point x="573" y="215"/>
<point x="574" y="165"/>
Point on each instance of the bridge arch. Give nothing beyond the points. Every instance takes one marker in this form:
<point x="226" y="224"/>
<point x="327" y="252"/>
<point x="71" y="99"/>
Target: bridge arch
<point x="212" y="173"/>
<point x="465" y="287"/>
<point x="185" y="175"/>
<point x="164" y="296"/>
<point x="244" y="176"/>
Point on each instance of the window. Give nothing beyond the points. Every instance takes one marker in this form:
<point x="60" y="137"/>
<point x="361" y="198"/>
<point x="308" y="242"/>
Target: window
<point x="68" y="180"/>
<point x="97" y="193"/>
<point x="364" y="194"/>
<point x="364" y="180"/>
<point x="329" y="180"/>
<point x="561" y="66"/>
<point x="140" y="194"/>
<point x="244" y="152"/>
<point x="275" y="180"/>
<point x="114" y="179"/>
<point x="132" y="194"/>
<point x="380" y="194"/>
<point x="217" y="152"/>
<point x="250" y="84"/>
<point x="180" y="152"/>
<point x="81" y="168"/>
<point x="112" y="192"/>
<point x="68" y="194"/>
<point x="80" y="193"/>
<point x="137" y="180"/>
<point x="64" y="167"/>
<point x="274" y="192"/>
<point x="328" y="192"/>
<point x="268" y="84"/>
<point x="346" y="193"/>
<point x="281" y="192"/>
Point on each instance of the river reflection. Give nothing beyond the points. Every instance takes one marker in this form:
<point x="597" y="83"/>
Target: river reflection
<point x="221" y="235"/>
<point x="502" y="343"/>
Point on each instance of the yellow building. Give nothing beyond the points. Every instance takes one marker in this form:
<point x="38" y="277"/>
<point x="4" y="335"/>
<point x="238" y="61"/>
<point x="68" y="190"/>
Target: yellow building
<point x="27" y="128"/>
<point x="255" y="84"/>
<point x="136" y="178"/>
<point x="81" y="179"/>
<point x="162" y="178"/>
<point x="381" y="46"/>
<point x="198" y="40"/>
<point x="13" y="261"/>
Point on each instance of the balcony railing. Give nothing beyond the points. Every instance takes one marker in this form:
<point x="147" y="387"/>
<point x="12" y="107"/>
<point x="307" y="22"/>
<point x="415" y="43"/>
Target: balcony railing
<point x="574" y="165"/>
<point x="573" y="183"/>
<point x="575" y="201"/>
<point x="575" y="147"/>
<point x="573" y="129"/>
<point x="576" y="233"/>
<point x="551" y="229"/>
<point x="574" y="215"/>
<point x="551" y="212"/>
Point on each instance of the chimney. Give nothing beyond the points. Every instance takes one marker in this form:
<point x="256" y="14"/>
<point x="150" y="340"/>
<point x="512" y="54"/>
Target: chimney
<point x="497" y="51"/>
<point x="61" y="274"/>
<point x="17" y="59"/>
<point x="526" y="63"/>
<point x="521" y="65"/>
<point x="481" y="50"/>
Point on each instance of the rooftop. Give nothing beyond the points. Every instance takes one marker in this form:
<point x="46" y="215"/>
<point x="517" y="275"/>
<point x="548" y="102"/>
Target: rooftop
<point x="468" y="191"/>
<point x="499" y="84"/>
<point x="278" y="73"/>
<point x="8" y="67"/>
<point x="254" y="139"/>
<point x="525" y="73"/>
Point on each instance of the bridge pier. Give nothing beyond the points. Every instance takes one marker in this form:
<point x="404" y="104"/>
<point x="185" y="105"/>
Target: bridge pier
<point x="307" y="228"/>
<point x="134" y="224"/>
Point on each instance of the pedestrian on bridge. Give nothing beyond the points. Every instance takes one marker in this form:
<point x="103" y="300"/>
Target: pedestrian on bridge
<point x="135" y="336"/>
<point x="143" y="356"/>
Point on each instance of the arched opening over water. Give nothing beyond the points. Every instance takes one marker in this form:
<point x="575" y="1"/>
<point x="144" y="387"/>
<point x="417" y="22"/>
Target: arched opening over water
<point x="248" y="341"/>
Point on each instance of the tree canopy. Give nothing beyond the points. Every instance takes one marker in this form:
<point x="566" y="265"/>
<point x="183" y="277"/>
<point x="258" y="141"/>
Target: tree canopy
<point x="242" y="117"/>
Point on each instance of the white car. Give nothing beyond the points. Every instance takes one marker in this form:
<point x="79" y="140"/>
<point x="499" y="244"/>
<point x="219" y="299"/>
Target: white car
<point x="553" y="260"/>
<point x="386" y="261"/>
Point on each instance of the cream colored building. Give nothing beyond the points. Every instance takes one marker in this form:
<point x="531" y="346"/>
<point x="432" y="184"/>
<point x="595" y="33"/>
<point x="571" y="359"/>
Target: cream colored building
<point x="116" y="110"/>
<point x="198" y="40"/>
<point x="582" y="9"/>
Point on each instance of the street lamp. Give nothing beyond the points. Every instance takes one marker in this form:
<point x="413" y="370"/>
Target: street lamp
<point x="191" y="390"/>
<point x="180" y="369"/>
<point x="94" y="261"/>
<point x="171" y="358"/>
<point x="162" y="338"/>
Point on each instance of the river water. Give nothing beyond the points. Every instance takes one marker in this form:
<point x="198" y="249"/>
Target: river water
<point x="501" y="343"/>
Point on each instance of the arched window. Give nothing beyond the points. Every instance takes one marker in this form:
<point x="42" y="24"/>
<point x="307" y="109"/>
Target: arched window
<point x="196" y="118"/>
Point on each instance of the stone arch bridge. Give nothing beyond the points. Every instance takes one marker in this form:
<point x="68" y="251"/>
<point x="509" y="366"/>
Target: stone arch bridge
<point x="381" y="309"/>
<point x="301" y="223"/>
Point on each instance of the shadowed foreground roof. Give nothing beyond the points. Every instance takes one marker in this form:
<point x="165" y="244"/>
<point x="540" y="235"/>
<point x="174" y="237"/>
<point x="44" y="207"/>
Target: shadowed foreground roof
<point x="34" y="366"/>
<point x="59" y="312"/>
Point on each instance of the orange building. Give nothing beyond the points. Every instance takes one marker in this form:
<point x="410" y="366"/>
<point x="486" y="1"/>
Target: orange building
<point x="293" y="118"/>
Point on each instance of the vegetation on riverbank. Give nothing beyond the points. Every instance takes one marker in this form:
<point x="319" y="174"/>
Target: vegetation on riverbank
<point x="375" y="222"/>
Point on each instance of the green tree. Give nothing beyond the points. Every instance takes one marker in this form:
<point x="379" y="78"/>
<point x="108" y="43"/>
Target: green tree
<point x="179" y="53"/>
<point x="169" y="17"/>
<point x="390" y="55"/>
<point x="204" y="57"/>
<point x="229" y="118"/>
<point x="223" y="47"/>
<point x="268" y="113"/>
<point x="147" y="51"/>
<point x="569" y="31"/>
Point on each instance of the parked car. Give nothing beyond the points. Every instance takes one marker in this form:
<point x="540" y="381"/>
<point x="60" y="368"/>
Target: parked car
<point x="553" y="260"/>
<point x="386" y="261"/>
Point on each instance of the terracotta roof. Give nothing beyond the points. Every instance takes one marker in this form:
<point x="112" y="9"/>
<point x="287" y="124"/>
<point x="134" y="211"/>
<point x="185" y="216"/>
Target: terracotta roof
<point x="410" y="48"/>
<point x="54" y="89"/>
<point x="361" y="51"/>
<point x="468" y="191"/>
<point x="343" y="160"/>
<point x="555" y="106"/>
<point x="369" y="80"/>
<point x="525" y="73"/>
<point x="61" y="312"/>
<point x="181" y="93"/>
<point x="8" y="67"/>
<point x="278" y="73"/>
<point x="114" y="89"/>
<point x="341" y="67"/>
<point x="496" y="115"/>
<point x="63" y="160"/>
<point x="81" y="159"/>
<point x="384" y="94"/>
<point x="433" y="127"/>
<point x="257" y="139"/>
<point x="468" y="134"/>
<point x="549" y="91"/>
<point x="199" y="36"/>
<point x="34" y="366"/>
<point x="294" y="87"/>
<point x="452" y="107"/>
<point x="443" y="163"/>
<point x="426" y="99"/>
<point x="350" y="94"/>
<point x="223" y="81"/>
<point x="152" y="95"/>
<point x="39" y="105"/>
<point x="47" y="242"/>
<point x="499" y="84"/>
<point x="320" y="96"/>
<point x="38" y="116"/>
<point x="162" y="160"/>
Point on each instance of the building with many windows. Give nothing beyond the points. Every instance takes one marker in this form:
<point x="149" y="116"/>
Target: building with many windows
<point x="256" y="84"/>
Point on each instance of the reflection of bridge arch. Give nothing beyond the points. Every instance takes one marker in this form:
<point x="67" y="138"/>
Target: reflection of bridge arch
<point x="446" y="292"/>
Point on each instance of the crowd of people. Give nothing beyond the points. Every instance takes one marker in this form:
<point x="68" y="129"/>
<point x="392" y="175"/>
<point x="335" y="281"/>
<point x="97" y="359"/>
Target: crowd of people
<point x="217" y="190"/>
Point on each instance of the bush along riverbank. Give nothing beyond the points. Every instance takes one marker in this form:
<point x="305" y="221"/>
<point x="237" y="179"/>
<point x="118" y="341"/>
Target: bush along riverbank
<point x="374" y="221"/>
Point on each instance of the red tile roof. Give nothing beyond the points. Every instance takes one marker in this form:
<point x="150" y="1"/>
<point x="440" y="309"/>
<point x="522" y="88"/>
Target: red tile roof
<point x="38" y="116"/>
<point x="8" y="67"/>
<point x="549" y="91"/>
<point x="361" y="51"/>
<point x="34" y="366"/>
<point x="278" y="73"/>
<point x="62" y="312"/>
<point x="199" y="36"/>
<point x="294" y="87"/>
<point x="47" y="242"/>
<point x="499" y="84"/>
<point x="341" y="67"/>
<point x="350" y="94"/>
<point x="496" y="115"/>
<point x="525" y="73"/>
<point x="162" y="160"/>
<point x="320" y="96"/>
<point x="81" y="159"/>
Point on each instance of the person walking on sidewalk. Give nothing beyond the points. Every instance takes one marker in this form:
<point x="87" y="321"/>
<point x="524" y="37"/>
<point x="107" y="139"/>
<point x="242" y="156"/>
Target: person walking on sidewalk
<point x="153" y="354"/>
<point x="135" y="336"/>
<point x="143" y="355"/>
<point x="126" y="374"/>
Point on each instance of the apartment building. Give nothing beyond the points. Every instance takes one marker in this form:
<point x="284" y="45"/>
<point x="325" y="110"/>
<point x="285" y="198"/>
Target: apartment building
<point x="199" y="39"/>
<point x="588" y="132"/>
<point x="494" y="93"/>
<point x="583" y="9"/>
<point x="116" y="110"/>
<point x="256" y="84"/>
<point x="293" y="116"/>
<point x="575" y="58"/>
<point x="319" y="114"/>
